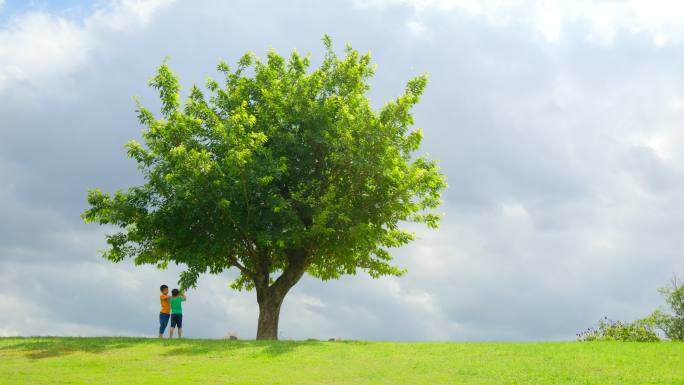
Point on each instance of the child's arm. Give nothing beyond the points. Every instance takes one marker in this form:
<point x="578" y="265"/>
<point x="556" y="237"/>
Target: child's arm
<point x="183" y="295"/>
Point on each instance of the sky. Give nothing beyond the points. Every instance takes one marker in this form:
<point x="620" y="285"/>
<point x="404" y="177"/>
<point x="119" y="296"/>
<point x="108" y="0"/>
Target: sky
<point x="557" y="124"/>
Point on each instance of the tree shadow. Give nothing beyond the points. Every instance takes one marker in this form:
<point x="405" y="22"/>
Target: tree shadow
<point x="260" y="348"/>
<point x="49" y="347"/>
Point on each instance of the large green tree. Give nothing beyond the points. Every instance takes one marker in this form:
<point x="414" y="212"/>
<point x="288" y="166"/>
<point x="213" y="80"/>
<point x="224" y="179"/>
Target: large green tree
<point x="281" y="171"/>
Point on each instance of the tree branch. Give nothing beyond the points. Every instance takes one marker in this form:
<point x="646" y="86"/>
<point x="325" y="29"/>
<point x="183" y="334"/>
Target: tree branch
<point x="298" y="261"/>
<point x="242" y="268"/>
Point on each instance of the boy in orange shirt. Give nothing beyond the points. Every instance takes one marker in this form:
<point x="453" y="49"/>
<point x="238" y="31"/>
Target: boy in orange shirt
<point x="165" y="312"/>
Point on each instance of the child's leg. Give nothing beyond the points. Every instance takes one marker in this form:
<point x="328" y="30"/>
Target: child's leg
<point x="180" y="332"/>
<point x="163" y="321"/>
<point x="174" y="324"/>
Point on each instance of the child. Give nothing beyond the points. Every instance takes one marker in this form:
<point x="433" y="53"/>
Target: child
<point x="177" y="298"/>
<point x="165" y="312"/>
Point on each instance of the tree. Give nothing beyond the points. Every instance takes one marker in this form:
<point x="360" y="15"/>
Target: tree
<point x="282" y="170"/>
<point x="672" y="323"/>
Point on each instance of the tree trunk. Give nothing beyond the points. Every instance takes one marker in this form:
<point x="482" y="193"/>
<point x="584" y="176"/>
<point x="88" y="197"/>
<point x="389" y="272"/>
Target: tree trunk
<point x="270" y="297"/>
<point x="269" y="313"/>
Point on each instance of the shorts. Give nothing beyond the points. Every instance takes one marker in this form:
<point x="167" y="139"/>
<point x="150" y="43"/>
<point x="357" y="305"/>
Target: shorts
<point x="163" y="321"/>
<point x="177" y="320"/>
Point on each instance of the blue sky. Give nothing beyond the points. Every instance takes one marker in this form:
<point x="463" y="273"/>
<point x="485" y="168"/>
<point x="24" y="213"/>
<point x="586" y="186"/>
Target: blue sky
<point x="558" y="127"/>
<point x="73" y="9"/>
<point x="49" y="5"/>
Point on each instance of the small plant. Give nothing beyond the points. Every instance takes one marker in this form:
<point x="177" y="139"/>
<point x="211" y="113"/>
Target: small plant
<point x="607" y="330"/>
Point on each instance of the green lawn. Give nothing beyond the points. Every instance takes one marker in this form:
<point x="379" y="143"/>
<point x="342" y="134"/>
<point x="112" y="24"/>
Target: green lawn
<point x="180" y="362"/>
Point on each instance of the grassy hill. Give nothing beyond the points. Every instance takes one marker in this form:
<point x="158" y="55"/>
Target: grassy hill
<point x="179" y="362"/>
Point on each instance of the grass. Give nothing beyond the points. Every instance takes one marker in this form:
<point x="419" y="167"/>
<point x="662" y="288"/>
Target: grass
<point x="150" y="361"/>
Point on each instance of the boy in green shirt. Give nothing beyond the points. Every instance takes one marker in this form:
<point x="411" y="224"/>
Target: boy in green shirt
<point x="176" y="300"/>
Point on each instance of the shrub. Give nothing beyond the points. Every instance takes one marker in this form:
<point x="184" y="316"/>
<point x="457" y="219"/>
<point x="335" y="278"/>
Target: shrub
<point x="607" y="330"/>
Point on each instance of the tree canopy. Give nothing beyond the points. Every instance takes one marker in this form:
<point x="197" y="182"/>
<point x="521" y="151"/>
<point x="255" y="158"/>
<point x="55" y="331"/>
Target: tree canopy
<point x="280" y="171"/>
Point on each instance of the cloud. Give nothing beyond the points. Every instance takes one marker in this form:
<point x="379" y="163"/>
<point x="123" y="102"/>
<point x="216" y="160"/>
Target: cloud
<point x="123" y="14"/>
<point x="561" y="155"/>
<point x="38" y="49"/>
<point x="606" y="19"/>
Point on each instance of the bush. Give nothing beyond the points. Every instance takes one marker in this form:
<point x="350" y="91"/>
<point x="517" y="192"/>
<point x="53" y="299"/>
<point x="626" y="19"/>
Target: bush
<point x="672" y="323"/>
<point x="608" y="330"/>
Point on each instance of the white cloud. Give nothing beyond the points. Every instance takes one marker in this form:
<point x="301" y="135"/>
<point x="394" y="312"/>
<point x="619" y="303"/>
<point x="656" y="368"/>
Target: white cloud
<point x="417" y="27"/>
<point x="660" y="19"/>
<point x="126" y="13"/>
<point x="38" y="49"/>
